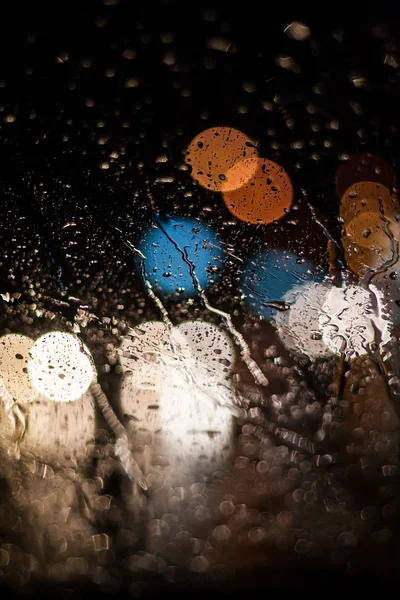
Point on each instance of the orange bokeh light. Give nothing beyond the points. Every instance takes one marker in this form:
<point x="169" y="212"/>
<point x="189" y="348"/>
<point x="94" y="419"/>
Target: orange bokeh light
<point x="214" y="152"/>
<point x="367" y="243"/>
<point x="368" y="230"/>
<point x="362" y="168"/>
<point x="369" y="197"/>
<point x="266" y="197"/>
<point x="360" y="260"/>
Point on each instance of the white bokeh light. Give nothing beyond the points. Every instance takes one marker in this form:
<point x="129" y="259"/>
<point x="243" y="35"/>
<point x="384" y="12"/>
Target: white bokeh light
<point x="326" y="320"/>
<point x="198" y="429"/>
<point x="154" y="344"/>
<point x="147" y="342"/>
<point x="59" y="369"/>
<point x="208" y="345"/>
<point x="148" y="356"/>
<point x="175" y="388"/>
<point x="350" y="322"/>
<point x="299" y="327"/>
<point x="210" y="354"/>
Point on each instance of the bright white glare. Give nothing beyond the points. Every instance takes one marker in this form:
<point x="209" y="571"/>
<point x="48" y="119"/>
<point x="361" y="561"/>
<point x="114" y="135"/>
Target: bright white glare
<point x="14" y="358"/>
<point x="59" y="369"/>
<point x="299" y="327"/>
<point x="175" y="385"/>
<point x="197" y="427"/>
<point x="350" y="322"/>
<point x="147" y="354"/>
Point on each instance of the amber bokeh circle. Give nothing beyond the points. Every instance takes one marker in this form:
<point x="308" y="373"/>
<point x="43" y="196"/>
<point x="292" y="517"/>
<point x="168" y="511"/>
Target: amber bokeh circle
<point x="366" y="242"/>
<point x="367" y="196"/>
<point x="266" y="197"/>
<point x="360" y="260"/>
<point x="214" y="152"/>
<point x="369" y="231"/>
<point x="370" y="197"/>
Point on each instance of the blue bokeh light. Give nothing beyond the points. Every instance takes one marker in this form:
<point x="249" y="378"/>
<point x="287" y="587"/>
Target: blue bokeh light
<point x="270" y="275"/>
<point x="175" y="246"/>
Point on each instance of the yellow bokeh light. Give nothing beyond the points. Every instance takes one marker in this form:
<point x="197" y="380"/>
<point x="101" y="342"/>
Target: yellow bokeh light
<point x="265" y="198"/>
<point x="14" y="358"/>
<point x="214" y="152"/>
<point x="361" y="260"/>
<point x="371" y="218"/>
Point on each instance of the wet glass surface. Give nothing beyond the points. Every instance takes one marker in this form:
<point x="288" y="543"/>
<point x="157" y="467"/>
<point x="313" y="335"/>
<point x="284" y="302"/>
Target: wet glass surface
<point x="199" y="299"/>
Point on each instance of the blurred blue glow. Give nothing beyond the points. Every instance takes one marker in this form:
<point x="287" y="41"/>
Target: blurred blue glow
<point x="172" y="248"/>
<point x="270" y="275"/>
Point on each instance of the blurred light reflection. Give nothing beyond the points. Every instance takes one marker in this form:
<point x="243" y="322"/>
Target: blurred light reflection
<point x="299" y="327"/>
<point x="178" y="391"/>
<point x="197" y="427"/>
<point x="367" y="197"/>
<point x="325" y="320"/>
<point x="59" y="369"/>
<point x="213" y="152"/>
<point x="266" y="197"/>
<point x="60" y="430"/>
<point x="147" y="355"/>
<point x="173" y="249"/>
<point x="14" y="358"/>
<point x="209" y="346"/>
<point x="271" y="274"/>
<point x="352" y="319"/>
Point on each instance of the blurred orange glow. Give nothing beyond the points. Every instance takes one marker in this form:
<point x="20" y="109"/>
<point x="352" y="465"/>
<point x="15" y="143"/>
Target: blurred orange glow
<point x="367" y="196"/>
<point x="265" y="197"/>
<point x="360" y="260"/>
<point x="362" y="168"/>
<point x="368" y="230"/>
<point x="214" y="152"/>
<point x="366" y="243"/>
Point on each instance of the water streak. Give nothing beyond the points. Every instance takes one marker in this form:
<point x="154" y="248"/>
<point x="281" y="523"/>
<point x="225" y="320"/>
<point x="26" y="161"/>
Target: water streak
<point x="254" y="369"/>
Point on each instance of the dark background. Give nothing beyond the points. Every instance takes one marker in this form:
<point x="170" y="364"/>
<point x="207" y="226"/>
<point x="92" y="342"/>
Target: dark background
<point x="57" y="59"/>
